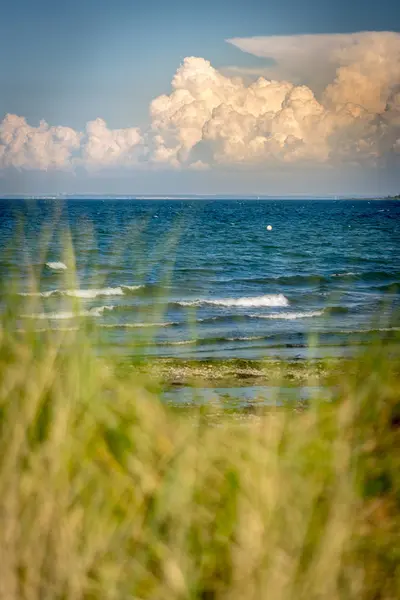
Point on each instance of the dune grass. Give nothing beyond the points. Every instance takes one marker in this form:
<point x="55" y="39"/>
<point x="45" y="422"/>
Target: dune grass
<point x="107" y="493"/>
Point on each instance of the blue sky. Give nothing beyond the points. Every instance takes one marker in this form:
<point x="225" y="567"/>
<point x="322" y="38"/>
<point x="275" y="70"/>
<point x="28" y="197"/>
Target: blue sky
<point x="69" y="63"/>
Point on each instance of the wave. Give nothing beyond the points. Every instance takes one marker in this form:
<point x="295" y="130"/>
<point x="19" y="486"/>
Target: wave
<point x="47" y="329"/>
<point x="65" y="314"/>
<point x="56" y="266"/>
<point x="368" y="276"/>
<point x="249" y="338"/>
<point x="289" y="280"/>
<point x="290" y="316"/>
<point x="329" y="311"/>
<point x="178" y="343"/>
<point x="273" y="300"/>
<point x="356" y="331"/>
<point x="94" y="293"/>
<point x="138" y="325"/>
<point x="223" y="319"/>
<point x="209" y="341"/>
<point x="318" y="279"/>
<point x="87" y="294"/>
<point x="38" y="294"/>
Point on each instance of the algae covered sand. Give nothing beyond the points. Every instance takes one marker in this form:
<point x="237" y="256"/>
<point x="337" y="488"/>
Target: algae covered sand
<point x="240" y="372"/>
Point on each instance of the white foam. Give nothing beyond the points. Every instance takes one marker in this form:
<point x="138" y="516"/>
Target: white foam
<point x="65" y="314"/>
<point x="137" y="325"/>
<point x="343" y="274"/>
<point x="98" y="311"/>
<point x="56" y="266"/>
<point x="37" y="294"/>
<point x="291" y="316"/>
<point x="46" y="329"/>
<point x="251" y="338"/>
<point x="178" y="343"/>
<point x="55" y="315"/>
<point x="94" y="293"/>
<point x="132" y="287"/>
<point x="85" y="294"/>
<point x="251" y="301"/>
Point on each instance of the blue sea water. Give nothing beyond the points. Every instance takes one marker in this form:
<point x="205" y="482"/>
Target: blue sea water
<point x="205" y="278"/>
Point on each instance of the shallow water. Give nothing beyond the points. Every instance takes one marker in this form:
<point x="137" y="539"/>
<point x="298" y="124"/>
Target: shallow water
<point x="245" y="396"/>
<point x="205" y="278"/>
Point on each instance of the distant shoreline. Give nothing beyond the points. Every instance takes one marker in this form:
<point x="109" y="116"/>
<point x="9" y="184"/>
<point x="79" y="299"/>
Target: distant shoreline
<point x="233" y="197"/>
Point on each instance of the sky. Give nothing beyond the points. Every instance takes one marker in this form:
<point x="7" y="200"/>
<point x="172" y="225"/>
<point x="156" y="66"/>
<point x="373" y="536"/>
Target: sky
<point x="130" y="97"/>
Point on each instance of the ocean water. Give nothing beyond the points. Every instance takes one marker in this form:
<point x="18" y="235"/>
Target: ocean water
<point x="206" y="278"/>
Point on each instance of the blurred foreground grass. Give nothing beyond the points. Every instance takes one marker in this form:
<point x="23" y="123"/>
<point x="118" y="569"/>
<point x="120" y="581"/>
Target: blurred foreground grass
<point x="107" y="493"/>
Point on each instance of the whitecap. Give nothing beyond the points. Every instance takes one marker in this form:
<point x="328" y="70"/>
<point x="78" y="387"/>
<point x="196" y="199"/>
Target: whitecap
<point x="37" y="294"/>
<point x="251" y="338"/>
<point x="87" y="294"/>
<point x="178" y="343"/>
<point x="93" y="293"/>
<point x="46" y="329"/>
<point x="98" y="311"/>
<point x="56" y="266"/>
<point x="291" y="316"/>
<point x="251" y="301"/>
<point x="137" y="325"/>
<point x="65" y="314"/>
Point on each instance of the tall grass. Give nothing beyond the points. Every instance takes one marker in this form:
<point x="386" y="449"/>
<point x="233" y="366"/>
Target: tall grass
<point x="107" y="493"/>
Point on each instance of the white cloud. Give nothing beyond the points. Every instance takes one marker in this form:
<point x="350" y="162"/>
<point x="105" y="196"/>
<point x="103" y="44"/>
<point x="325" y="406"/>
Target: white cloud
<point x="219" y="119"/>
<point x="326" y="99"/>
<point x="104" y="147"/>
<point x="314" y="59"/>
<point x="43" y="147"/>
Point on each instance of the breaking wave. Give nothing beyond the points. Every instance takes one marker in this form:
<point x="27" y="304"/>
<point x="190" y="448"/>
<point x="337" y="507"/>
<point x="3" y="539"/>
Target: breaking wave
<point x="273" y="300"/>
<point x="249" y="338"/>
<point x="291" y="316"/>
<point x="368" y="276"/>
<point x="56" y="266"/>
<point x="88" y="294"/>
<point x="137" y="325"/>
<point x="65" y="314"/>
<point x="178" y="343"/>
<point x="48" y="329"/>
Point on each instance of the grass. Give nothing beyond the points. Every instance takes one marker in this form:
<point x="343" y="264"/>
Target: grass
<point x="107" y="493"/>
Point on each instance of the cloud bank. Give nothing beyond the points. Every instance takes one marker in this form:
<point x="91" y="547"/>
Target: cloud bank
<point x="327" y="99"/>
<point x="44" y="147"/>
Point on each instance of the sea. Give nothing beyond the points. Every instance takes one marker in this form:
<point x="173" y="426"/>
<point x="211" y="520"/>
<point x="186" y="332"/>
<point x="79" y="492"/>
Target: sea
<point x="205" y="278"/>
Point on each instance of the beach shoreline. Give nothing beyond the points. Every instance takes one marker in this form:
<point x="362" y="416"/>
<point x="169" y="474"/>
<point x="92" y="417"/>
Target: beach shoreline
<point x="237" y="372"/>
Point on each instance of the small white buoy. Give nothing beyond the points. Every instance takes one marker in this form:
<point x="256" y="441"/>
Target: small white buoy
<point x="269" y="227"/>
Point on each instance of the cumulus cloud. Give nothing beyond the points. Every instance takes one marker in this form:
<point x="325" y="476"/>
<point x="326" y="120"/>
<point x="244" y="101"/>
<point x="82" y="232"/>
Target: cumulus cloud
<point x="219" y="119"/>
<point x="313" y="59"/>
<point x="104" y="147"/>
<point x="44" y="147"/>
<point x="327" y="99"/>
